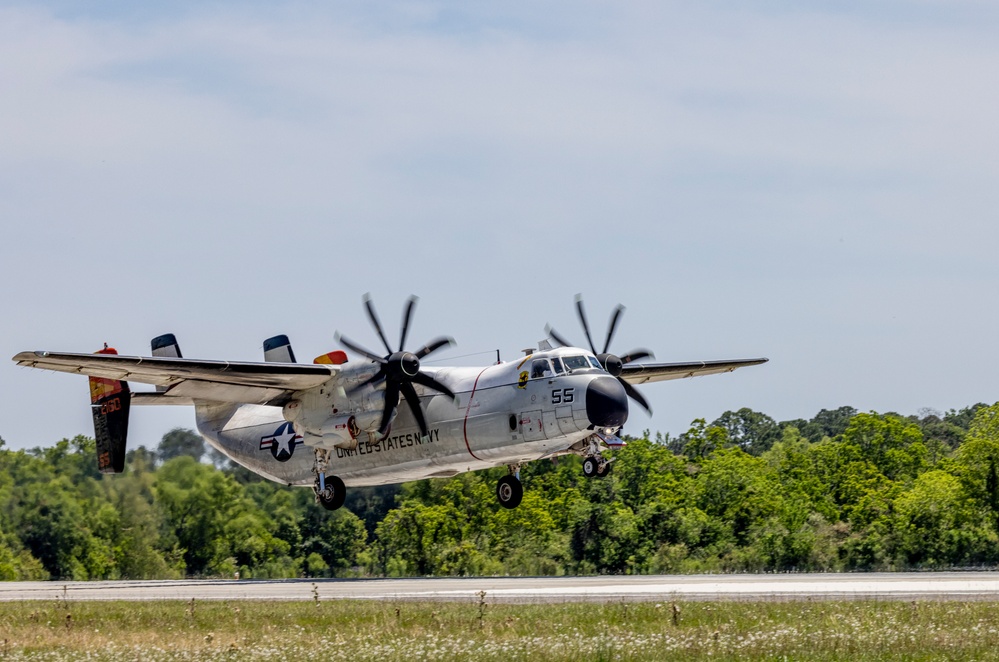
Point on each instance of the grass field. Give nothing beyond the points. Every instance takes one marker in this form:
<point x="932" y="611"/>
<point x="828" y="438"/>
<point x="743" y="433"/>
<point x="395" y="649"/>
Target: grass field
<point x="384" y="631"/>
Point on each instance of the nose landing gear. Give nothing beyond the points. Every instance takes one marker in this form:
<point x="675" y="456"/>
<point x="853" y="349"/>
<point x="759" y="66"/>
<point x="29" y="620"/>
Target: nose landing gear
<point x="595" y="466"/>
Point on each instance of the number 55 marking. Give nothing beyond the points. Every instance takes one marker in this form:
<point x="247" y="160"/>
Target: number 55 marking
<point x="562" y="396"/>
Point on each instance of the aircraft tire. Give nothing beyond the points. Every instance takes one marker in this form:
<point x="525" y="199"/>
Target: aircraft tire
<point x="590" y="467"/>
<point x="336" y="493"/>
<point x="509" y="491"/>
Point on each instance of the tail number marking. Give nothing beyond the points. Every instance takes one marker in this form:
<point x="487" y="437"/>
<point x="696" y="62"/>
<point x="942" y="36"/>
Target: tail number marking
<point x="111" y="406"/>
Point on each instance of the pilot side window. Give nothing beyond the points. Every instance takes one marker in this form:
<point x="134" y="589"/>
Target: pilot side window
<point x="559" y="369"/>
<point x="540" y="369"/>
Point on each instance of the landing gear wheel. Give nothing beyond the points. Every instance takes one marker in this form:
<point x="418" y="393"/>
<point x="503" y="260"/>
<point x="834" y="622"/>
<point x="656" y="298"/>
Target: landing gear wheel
<point x="603" y="469"/>
<point x="334" y="495"/>
<point x="509" y="491"/>
<point x="590" y="467"/>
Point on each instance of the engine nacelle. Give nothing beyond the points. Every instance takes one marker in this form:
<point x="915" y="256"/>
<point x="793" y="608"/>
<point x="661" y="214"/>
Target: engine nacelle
<point x="340" y="431"/>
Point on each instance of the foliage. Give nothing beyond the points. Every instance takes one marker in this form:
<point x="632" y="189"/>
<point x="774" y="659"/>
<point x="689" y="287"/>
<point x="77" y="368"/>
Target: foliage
<point x="179" y="442"/>
<point x="845" y="490"/>
<point x="362" y="630"/>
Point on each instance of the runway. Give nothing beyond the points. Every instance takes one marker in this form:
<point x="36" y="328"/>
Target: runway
<point x="854" y="586"/>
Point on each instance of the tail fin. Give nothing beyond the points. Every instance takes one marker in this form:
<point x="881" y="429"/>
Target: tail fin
<point x="109" y="402"/>
<point x="278" y="350"/>
<point x="166" y="346"/>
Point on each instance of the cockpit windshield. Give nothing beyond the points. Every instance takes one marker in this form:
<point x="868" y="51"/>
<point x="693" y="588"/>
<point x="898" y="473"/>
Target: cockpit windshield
<point x="573" y="363"/>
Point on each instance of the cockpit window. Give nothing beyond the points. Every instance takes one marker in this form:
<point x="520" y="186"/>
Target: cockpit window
<point x="576" y="363"/>
<point x="595" y="363"/>
<point x="540" y="369"/>
<point x="559" y="369"/>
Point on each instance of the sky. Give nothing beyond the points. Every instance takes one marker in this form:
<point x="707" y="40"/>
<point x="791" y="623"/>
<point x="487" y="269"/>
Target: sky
<point x="812" y="182"/>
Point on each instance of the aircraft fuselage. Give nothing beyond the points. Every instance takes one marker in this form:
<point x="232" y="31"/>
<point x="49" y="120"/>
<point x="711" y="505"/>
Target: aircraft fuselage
<point x="503" y="414"/>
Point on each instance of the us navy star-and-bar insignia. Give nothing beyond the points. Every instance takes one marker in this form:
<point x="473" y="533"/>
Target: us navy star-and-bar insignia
<point x="282" y="443"/>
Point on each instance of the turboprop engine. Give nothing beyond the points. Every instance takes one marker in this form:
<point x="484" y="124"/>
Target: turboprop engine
<point x="340" y="430"/>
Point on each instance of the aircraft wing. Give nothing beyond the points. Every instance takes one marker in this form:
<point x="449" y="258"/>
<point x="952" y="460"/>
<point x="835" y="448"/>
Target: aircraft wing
<point x="640" y="373"/>
<point x="187" y="380"/>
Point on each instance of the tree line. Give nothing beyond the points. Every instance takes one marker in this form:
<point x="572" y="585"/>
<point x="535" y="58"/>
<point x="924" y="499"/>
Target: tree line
<point x="845" y="490"/>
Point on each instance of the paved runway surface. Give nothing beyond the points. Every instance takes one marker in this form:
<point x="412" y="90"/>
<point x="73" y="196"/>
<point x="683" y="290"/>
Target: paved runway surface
<point x="882" y="586"/>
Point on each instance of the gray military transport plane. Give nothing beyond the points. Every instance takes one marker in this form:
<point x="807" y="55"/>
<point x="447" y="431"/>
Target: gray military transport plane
<point x="553" y="401"/>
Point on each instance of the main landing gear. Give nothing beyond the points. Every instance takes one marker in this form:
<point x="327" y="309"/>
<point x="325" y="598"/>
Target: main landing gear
<point x="509" y="489"/>
<point x="330" y="490"/>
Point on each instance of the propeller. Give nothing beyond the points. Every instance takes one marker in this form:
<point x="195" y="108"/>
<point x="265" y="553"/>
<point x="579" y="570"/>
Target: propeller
<point x="399" y="369"/>
<point x="612" y="363"/>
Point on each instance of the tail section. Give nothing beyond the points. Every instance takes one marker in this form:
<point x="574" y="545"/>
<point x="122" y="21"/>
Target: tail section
<point x="278" y="350"/>
<point x="165" y="346"/>
<point x="110" y="400"/>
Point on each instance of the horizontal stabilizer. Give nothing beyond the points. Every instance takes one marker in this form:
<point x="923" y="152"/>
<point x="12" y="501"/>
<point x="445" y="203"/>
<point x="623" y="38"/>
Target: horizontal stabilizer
<point x="259" y="383"/>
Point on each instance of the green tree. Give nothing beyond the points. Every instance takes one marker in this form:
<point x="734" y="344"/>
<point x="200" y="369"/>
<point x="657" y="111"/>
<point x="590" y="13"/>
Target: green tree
<point x="750" y="430"/>
<point x="938" y="525"/>
<point x="178" y="442"/>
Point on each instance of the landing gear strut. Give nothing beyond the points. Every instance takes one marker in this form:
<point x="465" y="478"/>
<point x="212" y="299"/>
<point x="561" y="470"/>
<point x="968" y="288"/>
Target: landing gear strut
<point x="509" y="489"/>
<point x="330" y="490"/>
<point x="594" y="464"/>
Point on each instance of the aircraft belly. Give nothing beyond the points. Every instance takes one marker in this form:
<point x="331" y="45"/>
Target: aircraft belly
<point x="258" y="438"/>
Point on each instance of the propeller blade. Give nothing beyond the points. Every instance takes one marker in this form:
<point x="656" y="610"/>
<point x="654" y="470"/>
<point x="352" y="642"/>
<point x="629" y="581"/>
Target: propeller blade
<point x="357" y="349"/>
<point x="635" y="395"/>
<point x="582" y="320"/>
<point x="636" y="354"/>
<point x="423" y="379"/>
<point x="433" y="346"/>
<point x="414" y="404"/>
<point x="406" y="317"/>
<point x="391" y="402"/>
<point x="559" y="339"/>
<point x="615" y="316"/>
<point x="378" y="376"/>
<point x="373" y="316"/>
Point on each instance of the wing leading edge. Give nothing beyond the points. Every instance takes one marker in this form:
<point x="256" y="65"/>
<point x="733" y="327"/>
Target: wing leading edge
<point x="187" y="380"/>
<point x="640" y="373"/>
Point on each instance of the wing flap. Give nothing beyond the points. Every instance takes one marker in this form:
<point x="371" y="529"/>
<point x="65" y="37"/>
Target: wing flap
<point x="640" y="373"/>
<point x="146" y="398"/>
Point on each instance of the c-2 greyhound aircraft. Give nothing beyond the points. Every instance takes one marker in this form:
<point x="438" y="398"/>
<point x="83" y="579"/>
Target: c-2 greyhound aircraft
<point x="552" y="401"/>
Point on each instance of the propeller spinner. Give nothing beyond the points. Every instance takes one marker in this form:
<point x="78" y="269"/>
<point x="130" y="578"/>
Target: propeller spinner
<point x="399" y="369"/>
<point x="612" y="363"/>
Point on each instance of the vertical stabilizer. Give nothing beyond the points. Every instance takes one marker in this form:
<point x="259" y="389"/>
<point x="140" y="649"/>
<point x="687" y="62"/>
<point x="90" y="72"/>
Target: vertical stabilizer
<point x="167" y="347"/>
<point x="278" y="350"/>
<point x="109" y="402"/>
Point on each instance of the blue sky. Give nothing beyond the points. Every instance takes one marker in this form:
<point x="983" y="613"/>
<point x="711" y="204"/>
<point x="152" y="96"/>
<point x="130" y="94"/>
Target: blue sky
<point x="812" y="182"/>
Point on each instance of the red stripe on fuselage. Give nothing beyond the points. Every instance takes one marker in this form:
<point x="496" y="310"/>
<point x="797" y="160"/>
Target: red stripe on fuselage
<point x="469" y="409"/>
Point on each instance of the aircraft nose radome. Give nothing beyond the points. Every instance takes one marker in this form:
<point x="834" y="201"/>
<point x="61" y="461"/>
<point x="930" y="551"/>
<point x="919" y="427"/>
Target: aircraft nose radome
<point x="606" y="403"/>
